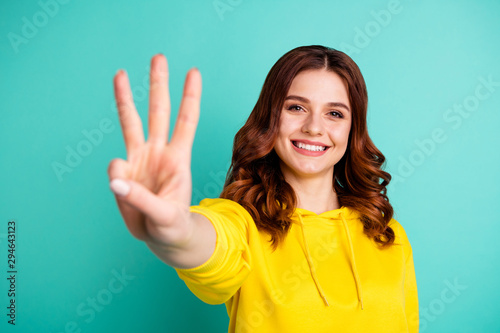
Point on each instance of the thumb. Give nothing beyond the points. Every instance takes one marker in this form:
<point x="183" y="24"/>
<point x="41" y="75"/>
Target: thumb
<point x="141" y="198"/>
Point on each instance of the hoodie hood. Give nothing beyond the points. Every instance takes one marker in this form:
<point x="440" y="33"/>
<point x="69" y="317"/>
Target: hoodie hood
<point x="342" y="214"/>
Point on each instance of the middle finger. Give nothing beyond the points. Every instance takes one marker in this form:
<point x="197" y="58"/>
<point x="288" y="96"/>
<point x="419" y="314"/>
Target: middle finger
<point x="159" y="100"/>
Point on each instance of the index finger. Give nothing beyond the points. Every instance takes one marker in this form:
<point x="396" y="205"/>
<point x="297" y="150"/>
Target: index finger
<point x="129" y="118"/>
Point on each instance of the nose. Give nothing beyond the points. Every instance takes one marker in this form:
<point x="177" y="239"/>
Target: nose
<point x="313" y="125"/>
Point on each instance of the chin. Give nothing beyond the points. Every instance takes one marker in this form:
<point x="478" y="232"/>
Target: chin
<point x="308" y="170"/>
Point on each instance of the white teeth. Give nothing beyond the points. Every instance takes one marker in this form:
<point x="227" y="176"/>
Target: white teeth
<point x="310" y="147"/>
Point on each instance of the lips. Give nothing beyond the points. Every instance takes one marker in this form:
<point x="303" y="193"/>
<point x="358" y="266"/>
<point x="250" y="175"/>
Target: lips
<point x="310" y="145"/>
<point x="309" y="148"/>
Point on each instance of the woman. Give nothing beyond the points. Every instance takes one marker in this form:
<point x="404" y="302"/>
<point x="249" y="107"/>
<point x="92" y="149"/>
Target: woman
<point x="302" y="237"/>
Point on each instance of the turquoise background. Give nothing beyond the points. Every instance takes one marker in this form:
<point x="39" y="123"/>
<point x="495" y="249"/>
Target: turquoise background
<point x="57" y="84"/>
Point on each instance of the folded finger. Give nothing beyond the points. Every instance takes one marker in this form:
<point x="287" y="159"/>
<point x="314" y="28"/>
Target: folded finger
<point x="142" y="199"/>
<point x="134" y="219"/>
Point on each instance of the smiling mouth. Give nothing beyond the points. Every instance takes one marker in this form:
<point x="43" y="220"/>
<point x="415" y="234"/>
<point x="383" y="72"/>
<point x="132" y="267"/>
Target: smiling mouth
<point x="309" y="147"/>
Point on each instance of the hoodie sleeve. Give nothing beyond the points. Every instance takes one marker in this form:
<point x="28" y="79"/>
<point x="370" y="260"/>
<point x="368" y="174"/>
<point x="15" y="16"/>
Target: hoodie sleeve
<point x="220" y="277"/>
<point x="410" y="285"/>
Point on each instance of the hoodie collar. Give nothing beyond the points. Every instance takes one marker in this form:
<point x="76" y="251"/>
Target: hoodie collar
<point x="342" y="213"/>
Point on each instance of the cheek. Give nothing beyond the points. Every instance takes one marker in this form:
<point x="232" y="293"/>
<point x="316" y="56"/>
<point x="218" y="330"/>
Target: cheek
<point x="289" y="125"/>
<point x="282" y="138"/>
<point x="340" y="136"/>
<point x="282" y="132"/>
<point x="281" y="141"/>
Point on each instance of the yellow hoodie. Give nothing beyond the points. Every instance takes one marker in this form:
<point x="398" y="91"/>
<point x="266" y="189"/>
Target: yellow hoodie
<point x="327" y="276"/>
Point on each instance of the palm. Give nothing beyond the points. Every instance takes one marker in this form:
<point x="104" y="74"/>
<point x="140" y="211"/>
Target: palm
<point x="161" y="168"/>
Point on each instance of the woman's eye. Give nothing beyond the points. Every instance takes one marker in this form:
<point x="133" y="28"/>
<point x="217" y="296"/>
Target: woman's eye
<point x="294" y="108"/>
<point x="336" y="114"/>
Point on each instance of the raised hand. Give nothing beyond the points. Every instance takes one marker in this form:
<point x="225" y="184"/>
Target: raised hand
<point x="153" y="186"/>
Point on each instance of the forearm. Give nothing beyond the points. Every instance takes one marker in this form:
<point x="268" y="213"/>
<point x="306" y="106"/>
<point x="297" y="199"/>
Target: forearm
<point x="192" y="252"/>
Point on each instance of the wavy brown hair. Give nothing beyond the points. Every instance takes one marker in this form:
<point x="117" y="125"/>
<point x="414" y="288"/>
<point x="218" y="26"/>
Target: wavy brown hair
<point x="255" y="180"/>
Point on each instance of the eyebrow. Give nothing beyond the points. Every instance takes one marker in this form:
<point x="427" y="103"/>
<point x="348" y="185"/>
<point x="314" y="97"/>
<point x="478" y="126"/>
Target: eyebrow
<point x="331" y="104"/>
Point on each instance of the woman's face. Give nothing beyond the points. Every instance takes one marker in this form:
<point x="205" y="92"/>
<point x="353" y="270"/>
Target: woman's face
<point x="314" y="125"/>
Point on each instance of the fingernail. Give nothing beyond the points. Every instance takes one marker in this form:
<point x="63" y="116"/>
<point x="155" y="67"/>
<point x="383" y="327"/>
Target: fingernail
<point x="119" y="187"/>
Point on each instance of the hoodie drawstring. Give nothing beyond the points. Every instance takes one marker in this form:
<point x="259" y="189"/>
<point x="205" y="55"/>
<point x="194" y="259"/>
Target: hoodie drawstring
<point x="311" y="265"/>
<point x="353" y="261"/>
<point x="313" y="270"/>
